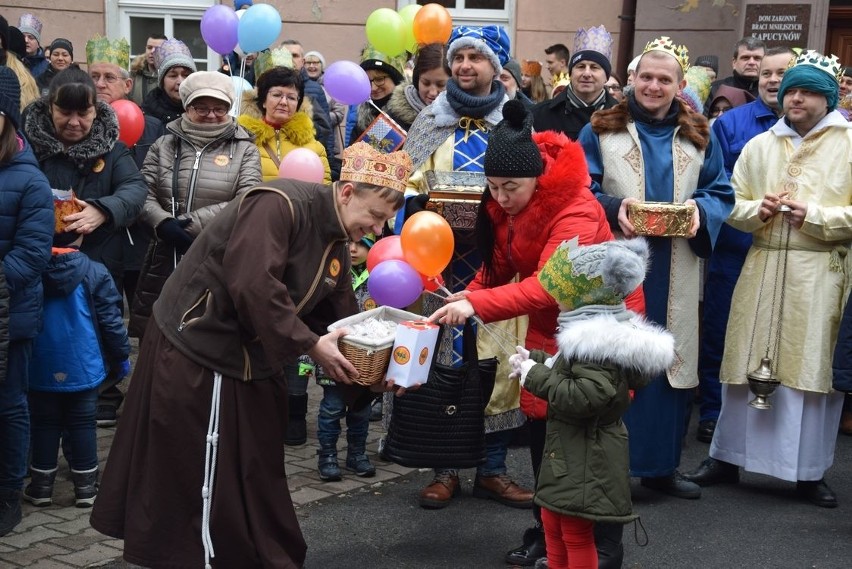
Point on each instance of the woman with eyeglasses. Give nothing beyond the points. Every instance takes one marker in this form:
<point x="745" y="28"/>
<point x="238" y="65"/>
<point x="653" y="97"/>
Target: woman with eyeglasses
<point x="385" y="74"/>
<point x="75" y="139"/>
<point x="204" y="161"/>
<point x="279" y="116"/>
<point x="174" y="64"/>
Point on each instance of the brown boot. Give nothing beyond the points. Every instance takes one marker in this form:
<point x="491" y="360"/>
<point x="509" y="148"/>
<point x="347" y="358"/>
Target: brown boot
<point x="439" y="493"/>
<point x="846" y="423"/>
<point x="504" y="490"/>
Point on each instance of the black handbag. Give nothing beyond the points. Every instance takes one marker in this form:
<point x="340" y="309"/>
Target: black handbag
<point x="442" y="424"/>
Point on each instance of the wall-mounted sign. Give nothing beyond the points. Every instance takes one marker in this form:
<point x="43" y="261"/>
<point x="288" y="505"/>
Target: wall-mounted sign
<point x="778" y="24"/>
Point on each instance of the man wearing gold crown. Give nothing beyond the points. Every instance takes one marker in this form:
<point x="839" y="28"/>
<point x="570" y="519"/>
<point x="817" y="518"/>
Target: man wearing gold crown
<point x="256" y="289"/>
<point x="795" y="200"/>
<point x="653" y="148"/>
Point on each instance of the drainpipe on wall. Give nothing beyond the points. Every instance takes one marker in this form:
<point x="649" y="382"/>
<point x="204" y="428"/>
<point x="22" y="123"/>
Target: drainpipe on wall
<point x="625" y="37"/>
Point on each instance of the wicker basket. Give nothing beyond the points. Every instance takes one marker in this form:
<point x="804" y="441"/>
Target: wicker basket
<point x="370" y="357"/>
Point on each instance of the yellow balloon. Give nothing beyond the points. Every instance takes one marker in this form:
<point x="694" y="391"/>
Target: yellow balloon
<point x="386" y="31"/>
<point x="407" y="13"/>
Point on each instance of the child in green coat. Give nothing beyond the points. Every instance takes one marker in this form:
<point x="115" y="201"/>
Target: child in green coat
<point x="604" y="352"/>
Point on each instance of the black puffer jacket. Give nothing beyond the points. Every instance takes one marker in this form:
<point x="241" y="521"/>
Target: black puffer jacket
<point x="4" y="325"/>
<point x="101" y="171"/>
<point x="161" y="106"/>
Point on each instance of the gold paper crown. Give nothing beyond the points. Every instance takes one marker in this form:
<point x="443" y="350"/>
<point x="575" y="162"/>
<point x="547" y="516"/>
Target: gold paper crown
<point x="561" y="79"/>
<point x="270" y="58"/>
<point x="828" y="63"/>
<point x="664" y="44"/>
<point x="102" y="50"/>
<point x="363" y="163"/>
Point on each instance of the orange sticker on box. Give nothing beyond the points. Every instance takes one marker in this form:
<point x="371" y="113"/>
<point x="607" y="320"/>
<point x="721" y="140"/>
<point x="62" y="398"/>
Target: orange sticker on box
<point x="424" y="353"/>
<point x="401" y="355"/>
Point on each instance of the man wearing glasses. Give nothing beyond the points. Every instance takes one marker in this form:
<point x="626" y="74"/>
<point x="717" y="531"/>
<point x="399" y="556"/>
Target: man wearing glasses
<point x="108" y="70"/>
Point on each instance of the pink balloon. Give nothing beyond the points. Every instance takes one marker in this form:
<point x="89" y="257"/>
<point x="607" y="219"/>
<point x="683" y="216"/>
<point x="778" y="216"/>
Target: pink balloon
<point x="302" y="164"/>
<point x="346" y="82"/>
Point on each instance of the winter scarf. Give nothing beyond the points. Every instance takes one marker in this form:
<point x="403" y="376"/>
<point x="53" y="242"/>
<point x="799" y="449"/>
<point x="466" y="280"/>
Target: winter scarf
<point x="39" y="130"/>
<point x="200" y="135"/>
<point x="468" y="105"/>
<point x="578" y="103"/>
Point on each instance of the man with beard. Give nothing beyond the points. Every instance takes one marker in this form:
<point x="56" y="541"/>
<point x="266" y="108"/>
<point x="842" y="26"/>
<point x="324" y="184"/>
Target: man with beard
<point x="452" y="134"/>
<point x="795" y="200"/>
<point x="733" y="130"/>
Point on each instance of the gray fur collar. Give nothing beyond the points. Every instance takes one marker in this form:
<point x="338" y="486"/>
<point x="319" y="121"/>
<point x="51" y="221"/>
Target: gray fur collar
<point x="42" y="136"/>
<point x="400" y="108"/>
<point x="446" y="116"/>
<point x="636" y="345"/>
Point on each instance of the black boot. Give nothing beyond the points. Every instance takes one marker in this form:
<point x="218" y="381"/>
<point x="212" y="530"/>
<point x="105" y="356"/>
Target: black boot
<point x="39" y="492"/>
<point x="329" y="470"/>
<point x="712" y="471"/>
<point x="532" y="550"/>
<point x="817" y="493"/>
<point x="297" y="426"/>
<point x="356" y="456"/>
<point x="85" y="487"/>
<point x="608" y="543"/>
<point x="10" y="510"/>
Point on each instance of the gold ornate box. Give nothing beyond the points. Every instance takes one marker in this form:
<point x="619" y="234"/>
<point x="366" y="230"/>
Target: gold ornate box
<point x="661" y="219"/>
<point x="455" y="196"/>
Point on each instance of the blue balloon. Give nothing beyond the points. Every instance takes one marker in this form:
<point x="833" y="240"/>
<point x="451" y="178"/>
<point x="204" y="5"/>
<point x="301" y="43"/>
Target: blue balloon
<point x="394" y="283"/>
<point x="258" y="28"/>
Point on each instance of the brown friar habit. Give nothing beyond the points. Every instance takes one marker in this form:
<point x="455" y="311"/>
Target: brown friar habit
<point x="247" y="266"/>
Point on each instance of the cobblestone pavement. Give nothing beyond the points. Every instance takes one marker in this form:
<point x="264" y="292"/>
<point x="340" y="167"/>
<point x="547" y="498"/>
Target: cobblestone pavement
<point x="59" y="536"/>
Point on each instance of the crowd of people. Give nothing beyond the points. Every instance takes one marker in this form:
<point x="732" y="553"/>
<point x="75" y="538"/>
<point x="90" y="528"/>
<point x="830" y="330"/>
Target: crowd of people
<point x="229" y="274"/>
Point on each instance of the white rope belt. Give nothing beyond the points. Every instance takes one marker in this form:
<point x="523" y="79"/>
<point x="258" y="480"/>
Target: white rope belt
<point x="210" y="469"/>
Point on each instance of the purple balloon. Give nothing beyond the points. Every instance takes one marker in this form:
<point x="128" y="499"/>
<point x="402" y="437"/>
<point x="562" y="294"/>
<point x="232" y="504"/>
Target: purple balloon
<point x="394" y="283"/>
<point x="346" y="82"/>
<point x="219" y="28"/>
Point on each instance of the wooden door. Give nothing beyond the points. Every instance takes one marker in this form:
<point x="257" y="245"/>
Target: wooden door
<point x="838" y="37"/>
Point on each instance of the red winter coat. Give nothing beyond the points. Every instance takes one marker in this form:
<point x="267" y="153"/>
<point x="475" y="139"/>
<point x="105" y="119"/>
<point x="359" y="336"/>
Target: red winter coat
<point x="562" y="208"/>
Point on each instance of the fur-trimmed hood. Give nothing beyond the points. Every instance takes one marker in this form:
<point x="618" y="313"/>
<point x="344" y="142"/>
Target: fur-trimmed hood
<point x="693" y="126"/>
<point x="565" y="180"/>
<point x="635" y="345"/>
<point x="299" y="129"/>
<point x="400" y="109"/>
<point x="38" y="127"/>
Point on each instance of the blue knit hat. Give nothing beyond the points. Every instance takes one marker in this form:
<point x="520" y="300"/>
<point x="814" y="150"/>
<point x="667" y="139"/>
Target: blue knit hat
<point x="10" y="96"/>
<point x="490" y="41"/>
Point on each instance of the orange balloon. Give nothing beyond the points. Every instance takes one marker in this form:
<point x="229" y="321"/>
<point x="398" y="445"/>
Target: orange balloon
<point x="432" y="24"/>
<point x="427" y="243"/>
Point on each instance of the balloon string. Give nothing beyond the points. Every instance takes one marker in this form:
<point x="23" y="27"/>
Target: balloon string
<point x="239" y="101"/>
<point x="505" y="340"/>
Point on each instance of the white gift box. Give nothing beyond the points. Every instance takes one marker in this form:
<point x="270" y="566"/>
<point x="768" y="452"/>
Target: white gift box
<point x="412" y="353"/>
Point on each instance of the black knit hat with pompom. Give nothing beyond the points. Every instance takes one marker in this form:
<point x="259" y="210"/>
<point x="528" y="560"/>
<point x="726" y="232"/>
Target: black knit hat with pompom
<point x="511" y="152"/>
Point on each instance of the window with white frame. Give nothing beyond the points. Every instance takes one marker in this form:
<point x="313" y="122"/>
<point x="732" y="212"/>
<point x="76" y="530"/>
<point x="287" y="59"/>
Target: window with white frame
<point x="473" y="12"/>
<point x="136" y="20"/>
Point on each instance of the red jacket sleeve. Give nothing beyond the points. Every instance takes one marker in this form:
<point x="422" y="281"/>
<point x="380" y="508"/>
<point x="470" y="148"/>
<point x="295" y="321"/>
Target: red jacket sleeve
<point x="514" y="299"/>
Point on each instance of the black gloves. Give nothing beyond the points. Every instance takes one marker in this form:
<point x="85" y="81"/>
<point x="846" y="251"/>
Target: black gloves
<point x="415" y="204"/>
<point x="172" y="232"/>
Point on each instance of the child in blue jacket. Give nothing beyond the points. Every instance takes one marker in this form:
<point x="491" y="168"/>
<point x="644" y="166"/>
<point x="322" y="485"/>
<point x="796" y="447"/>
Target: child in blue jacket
<point x="83" y="338"/>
